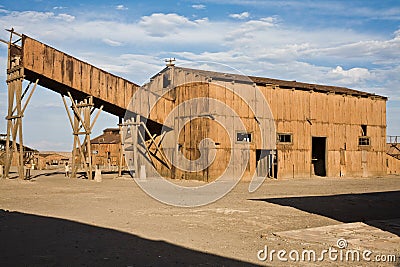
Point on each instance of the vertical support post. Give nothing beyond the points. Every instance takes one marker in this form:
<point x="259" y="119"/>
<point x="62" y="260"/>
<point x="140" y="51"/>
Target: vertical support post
<point x="81" y="125"/>
<point x="15" y="77"/>
<point x="10" y="89"/>
<point x="134" y="134"/>
<point x="135" y="145"/>
<point x="18" y="96"/>
<point x="75" y="152"/>
<point x="121" y="148"/>
<point x="9" y="154"/>
<point x="87" y="112"/>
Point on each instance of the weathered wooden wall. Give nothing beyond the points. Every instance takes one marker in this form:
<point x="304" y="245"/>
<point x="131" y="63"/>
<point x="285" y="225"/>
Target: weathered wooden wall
<point x="210" y="115"/>
<point x="50" y="161"/>
<point x="337" y="117"/>
<point x="106" y="155"/>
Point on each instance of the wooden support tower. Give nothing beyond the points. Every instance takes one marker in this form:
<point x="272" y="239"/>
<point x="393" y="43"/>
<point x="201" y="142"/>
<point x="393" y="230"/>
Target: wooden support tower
<point x="81" y="125"/>
<point x="15" y="77"/>
<point x="129" y="143"/>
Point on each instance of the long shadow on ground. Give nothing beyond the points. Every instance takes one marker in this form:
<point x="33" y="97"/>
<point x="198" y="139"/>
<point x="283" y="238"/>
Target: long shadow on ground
<point x="31" y="240"/>
<point x="371" y="208"/>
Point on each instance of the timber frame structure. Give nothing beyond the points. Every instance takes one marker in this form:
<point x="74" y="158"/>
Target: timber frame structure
<point x="82" y="125"/>
<point x="86" y="86"/>
<point x="15" y="77"/>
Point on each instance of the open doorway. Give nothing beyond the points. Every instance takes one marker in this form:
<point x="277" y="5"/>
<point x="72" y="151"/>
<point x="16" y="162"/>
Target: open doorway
<point x="266" y="163"/>
<point x="319" y="155"/>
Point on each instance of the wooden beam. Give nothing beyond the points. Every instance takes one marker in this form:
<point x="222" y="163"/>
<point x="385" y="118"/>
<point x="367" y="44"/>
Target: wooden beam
<point x="29" y="97"/>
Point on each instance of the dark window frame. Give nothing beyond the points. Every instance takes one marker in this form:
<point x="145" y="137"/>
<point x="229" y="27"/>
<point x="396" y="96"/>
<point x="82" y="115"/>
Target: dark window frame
<point x="243" y="141"/>
<point x="364" y="141"/>
<point x="284" y="138"/>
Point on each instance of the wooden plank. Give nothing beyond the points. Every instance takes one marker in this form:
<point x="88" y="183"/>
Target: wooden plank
<point x="324" y="109"/>
<point x="128" y="94"/>
<point x="58" y="61"/>
<point x="28" y="53"/>
<point x="94" y="81"/>
<point x="77" y="75"/>
<point x="48" y="64"/>
<point x="68" y="70"/>
<point x="121" y="92"/>
<point x="111" y="88"/>
<point x="103" y="85"/>
<point x="38" y="56"/>
<point x="86" y="77"/>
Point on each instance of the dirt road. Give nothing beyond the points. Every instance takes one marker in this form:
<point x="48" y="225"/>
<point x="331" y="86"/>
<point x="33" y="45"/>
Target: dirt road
<point x="56" y="221"/>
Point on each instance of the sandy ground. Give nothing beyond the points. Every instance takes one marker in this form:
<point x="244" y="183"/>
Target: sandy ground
<point x="56" y="221"/>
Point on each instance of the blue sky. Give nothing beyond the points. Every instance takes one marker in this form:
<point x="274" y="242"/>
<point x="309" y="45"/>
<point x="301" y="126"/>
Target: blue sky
<point x="345" y="43"/>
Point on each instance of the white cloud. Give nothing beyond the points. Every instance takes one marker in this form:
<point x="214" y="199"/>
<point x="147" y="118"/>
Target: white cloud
<point x="202" y="20"/>
<point x="65" y="17"/>
<point x="376" y="51"/>
<point x="32" y="17"/>
<point x="111" y="42"/>
<point x="351" y="76"/>
<point x="161" y="25"/>
<point x="134" y="67"/>
<point x="243" y="15"/>
<point x="58" y="7"/>
<point x="397" y="34"/>
<point x="199" y="6"/>
<point x="121" y="7"/>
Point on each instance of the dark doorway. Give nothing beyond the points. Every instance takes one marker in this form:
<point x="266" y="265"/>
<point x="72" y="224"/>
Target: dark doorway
<point x="319" y="155"/>
<point x="266" y="163"/>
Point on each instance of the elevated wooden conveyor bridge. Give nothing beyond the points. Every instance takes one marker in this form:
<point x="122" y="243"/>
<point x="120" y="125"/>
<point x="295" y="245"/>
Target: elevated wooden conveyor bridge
<point x="63" y="73"/>
<point x="87" y="86"/>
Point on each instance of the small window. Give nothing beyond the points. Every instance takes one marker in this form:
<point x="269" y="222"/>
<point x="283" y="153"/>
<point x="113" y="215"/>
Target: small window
<point x="243" y="137"/>
<point x="364" y="141"/>
<point x="285" y="138"/>
<point x="166" y="80"/>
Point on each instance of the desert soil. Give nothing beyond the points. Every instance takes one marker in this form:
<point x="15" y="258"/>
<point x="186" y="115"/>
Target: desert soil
<point x="52" y="220"/>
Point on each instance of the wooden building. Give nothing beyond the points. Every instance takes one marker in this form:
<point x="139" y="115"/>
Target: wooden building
<point x="29" y="153"/>
<point x="300" y="130"/>
<point x="106" y="149"/>
<point x="51" y="160"/>
<point x="41" y="160"/>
